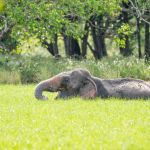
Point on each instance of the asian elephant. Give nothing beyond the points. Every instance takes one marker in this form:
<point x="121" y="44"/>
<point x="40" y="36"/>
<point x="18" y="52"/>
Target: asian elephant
<point x="79" y="82"/>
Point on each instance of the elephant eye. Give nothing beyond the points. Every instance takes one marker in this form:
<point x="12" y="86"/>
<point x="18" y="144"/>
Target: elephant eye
<point x="66" y="80"/>
<point x="84" y="82"/>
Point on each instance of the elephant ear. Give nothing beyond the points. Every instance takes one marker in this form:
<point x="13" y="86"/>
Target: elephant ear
<point x="89" y="89"/>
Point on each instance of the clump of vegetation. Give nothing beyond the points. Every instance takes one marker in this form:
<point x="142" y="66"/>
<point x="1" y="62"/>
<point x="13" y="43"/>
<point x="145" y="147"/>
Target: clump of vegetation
<point x="31" y="69"/>
<point x="22" y="66"/>
<point x="28" y="71"/>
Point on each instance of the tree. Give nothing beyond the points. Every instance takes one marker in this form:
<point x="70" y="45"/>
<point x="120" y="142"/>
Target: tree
<point x="147" y="39"/>
<point x="48" y="19"/>
<point x="141" y="9"/>
<point x="139" y="37"/>
<point x="7" y="41"/>
<point x="126" y="50"/>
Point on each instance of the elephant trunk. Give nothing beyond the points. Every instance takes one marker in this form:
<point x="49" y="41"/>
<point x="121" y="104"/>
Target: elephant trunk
<point x="50" y="85"/>
<point x="42" y="86"/>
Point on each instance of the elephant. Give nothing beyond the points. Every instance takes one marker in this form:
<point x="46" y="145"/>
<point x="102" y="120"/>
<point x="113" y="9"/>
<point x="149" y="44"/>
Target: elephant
<point x="79" y="82"/>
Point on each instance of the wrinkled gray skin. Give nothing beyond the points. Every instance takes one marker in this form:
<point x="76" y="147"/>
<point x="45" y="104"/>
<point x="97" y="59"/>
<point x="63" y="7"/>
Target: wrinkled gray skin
<point x="80" y="82"/>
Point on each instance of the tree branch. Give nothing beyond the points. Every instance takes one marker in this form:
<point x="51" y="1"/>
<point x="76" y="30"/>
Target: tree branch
<point x="138" y="11"/>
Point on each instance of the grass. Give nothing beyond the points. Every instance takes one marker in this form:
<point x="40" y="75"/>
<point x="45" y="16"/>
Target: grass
<point x="77" y="124"/>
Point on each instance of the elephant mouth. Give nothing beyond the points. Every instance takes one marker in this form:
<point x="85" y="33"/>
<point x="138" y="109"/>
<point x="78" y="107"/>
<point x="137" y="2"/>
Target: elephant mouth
<point x="61" y="89"/>
<point x="54" y="89"/>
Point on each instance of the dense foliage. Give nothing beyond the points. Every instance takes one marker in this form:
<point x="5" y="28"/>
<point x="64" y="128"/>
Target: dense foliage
<point x="77" y="21"/>
<point x="46" y="18"/>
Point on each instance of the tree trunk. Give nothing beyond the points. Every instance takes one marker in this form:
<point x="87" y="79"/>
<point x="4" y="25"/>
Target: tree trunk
<point x="98" y="37"/>
<point x="84" y="40"/>
<point x="48" y="46"/>
<point x="126" y="51"/>
<point x="55" y="46"/>
<point x="98" y="52"/>
<point x="67" y="45"/>
<point x="147" y="42"/>
<point x="72" y="47"/>
<point x="139" y="37"/>
<point x="101" y="34"/>
<point x="52" y="47"/>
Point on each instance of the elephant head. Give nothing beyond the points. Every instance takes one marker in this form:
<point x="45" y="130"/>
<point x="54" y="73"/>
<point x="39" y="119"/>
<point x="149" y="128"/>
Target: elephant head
<point x="77" y="82"/>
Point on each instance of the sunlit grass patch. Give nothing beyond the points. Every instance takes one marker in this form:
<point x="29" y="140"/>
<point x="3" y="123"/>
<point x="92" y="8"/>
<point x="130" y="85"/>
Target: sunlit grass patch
<point x="26" y="123"/>
<point x="9" y="77"/>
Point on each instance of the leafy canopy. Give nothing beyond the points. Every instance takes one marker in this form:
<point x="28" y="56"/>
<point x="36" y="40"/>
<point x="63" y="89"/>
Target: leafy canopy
<point x="48" y="17"/>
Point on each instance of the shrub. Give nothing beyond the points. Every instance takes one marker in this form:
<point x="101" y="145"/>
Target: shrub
<point x="29" y="71"/>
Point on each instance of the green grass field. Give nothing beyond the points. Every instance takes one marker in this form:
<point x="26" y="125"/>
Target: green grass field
<point x="74" y="124"/>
